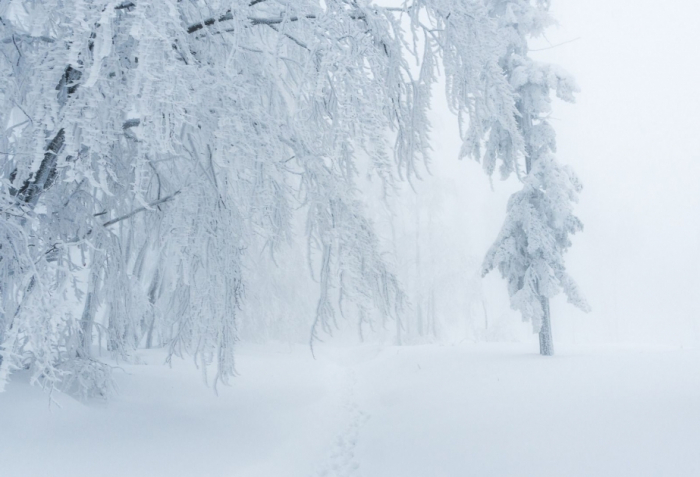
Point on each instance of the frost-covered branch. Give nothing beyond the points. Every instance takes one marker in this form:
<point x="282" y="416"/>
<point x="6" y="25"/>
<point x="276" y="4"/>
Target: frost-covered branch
<point x="140" y="209"/>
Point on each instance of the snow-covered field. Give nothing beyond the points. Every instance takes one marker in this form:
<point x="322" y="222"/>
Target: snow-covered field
<point x="463" y="410"/>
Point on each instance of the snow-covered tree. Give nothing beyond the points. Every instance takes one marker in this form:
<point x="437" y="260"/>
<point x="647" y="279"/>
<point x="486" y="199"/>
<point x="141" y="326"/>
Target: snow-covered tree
<point x="147" y="146"/>
<point x="529" y="251"/>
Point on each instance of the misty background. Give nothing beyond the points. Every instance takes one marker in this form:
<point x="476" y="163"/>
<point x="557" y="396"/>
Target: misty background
<point x="631" y="137"/>
<point x="633" y="140"/>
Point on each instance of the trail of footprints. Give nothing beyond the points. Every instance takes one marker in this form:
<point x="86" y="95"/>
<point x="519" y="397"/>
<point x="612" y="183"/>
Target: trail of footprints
<point x="342" y="461"/>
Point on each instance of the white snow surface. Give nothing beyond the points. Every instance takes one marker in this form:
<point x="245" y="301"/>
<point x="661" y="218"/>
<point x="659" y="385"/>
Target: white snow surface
<point x="432" y="410"/>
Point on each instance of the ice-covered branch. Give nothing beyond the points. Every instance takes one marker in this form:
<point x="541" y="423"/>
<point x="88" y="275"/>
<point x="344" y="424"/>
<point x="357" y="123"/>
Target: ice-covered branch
<point x="140" y="209"/>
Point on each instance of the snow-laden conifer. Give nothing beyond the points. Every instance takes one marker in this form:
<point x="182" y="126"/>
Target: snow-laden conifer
<point x="529" y="251"/>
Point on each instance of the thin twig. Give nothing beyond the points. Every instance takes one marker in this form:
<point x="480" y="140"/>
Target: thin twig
<point x="18" y="51"/>
<point x="558" y="44"/>
<point x="139" y="210"/>
<point x="289" y="36"/>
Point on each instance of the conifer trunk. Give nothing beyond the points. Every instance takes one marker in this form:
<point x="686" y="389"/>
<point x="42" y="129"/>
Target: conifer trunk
<point x="546" y="343"/>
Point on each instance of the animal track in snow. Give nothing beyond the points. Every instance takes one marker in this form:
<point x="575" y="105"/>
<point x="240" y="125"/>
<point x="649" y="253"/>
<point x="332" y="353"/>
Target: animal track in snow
<point x="342" y="461"/>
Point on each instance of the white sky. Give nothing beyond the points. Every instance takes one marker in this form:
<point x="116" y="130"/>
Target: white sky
<point x="634" y="138"/>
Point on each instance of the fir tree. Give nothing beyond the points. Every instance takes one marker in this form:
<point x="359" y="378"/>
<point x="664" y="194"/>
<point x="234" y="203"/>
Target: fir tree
<point x="529" y="251"/>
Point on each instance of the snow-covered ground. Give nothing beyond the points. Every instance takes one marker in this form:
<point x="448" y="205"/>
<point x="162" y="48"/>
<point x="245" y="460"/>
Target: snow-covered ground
<point x="463" y="410"/>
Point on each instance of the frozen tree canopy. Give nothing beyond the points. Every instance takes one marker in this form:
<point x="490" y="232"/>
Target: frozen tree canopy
<point x="148" y="147"/>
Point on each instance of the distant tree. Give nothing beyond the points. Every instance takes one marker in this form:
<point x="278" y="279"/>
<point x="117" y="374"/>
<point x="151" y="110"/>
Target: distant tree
<point x="529" y="251"/>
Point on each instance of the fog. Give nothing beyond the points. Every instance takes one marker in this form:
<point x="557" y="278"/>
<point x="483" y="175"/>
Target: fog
<point x="633" y="139"/>
<point x="260" y="268"/>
